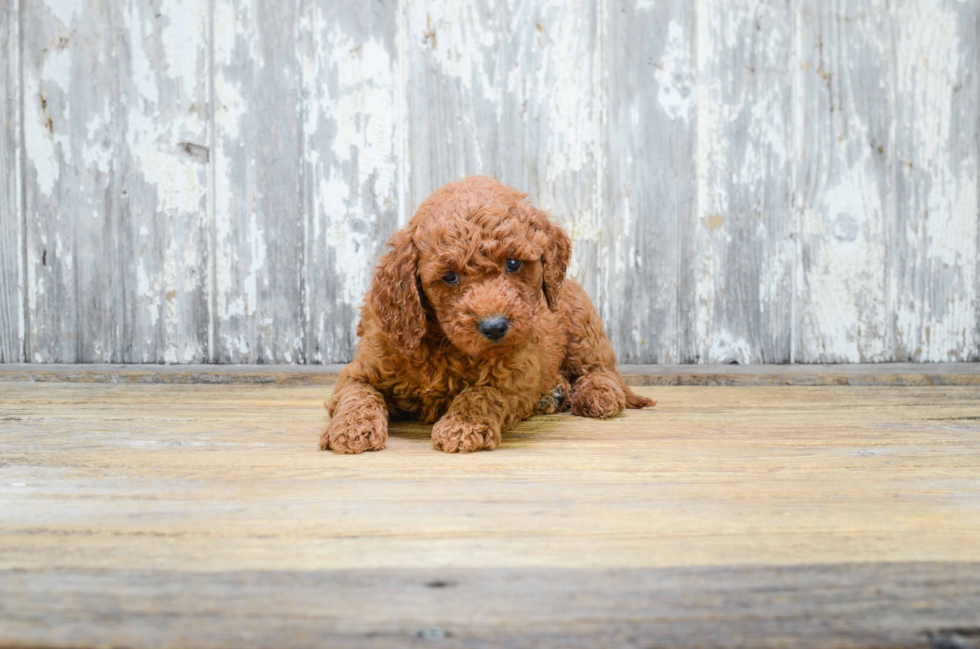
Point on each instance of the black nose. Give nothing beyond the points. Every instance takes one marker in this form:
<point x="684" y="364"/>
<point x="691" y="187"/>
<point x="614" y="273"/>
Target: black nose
<point x="494" y="328"/>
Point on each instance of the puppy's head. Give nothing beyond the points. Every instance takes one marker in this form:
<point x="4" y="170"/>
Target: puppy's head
<point x="476" y="261"/>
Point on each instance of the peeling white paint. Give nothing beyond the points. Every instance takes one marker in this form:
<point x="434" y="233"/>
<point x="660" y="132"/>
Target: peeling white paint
<point x="40" y="150"/>
<point x="348" y="245"/>
<point x="937" y="294"/>
<point x="63" y="10"/>
<point x="571" y="108"/>
<point x="47" y="118"/>
<point x="727" y="348"/>
<point x="97" y="153"/>
<point x="524" y="92"/>
<point x="673" y="74"/>
<point x="182" y="43"/>
<point x="57" y="71"/>
<point x="846" y="282"/>
<point x="169" y="279"/>
<point x="149" y="294"/>
<point x="402" y="127"/>
<point x="364" y="78"/>
<point x="353" y="148"/>
<point x="743" y="169"/>
<point x="142" y="73"/>
<point x="230" y="107"/>
<point x="256" y="240"/>
<point x="709" y="158"/>
<point x="448" y="31"/>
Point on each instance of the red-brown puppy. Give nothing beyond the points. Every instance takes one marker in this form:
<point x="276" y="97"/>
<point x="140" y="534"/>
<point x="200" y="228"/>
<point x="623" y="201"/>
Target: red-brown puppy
<point x="471" y="325"/>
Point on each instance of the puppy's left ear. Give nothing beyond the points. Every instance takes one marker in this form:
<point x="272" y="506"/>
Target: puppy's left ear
<point x="557" y="254"/>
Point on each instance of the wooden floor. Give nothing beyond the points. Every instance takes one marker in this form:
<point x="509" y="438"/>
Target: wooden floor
<point x="158" y="515"/>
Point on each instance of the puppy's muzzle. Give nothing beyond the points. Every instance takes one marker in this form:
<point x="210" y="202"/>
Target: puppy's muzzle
<point x="494" y="328"/>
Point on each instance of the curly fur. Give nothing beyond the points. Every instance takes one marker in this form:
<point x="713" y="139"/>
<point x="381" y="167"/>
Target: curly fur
<point x="422" y="356"/>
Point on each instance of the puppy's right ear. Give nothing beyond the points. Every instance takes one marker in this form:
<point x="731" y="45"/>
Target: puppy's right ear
<point x="557" y="254"/>
<point x="395" y="296"/>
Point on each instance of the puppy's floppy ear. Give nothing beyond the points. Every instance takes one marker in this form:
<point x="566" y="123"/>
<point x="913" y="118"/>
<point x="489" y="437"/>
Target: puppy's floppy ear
<point x="395" y="296"/>
<point x="557" y="254"/>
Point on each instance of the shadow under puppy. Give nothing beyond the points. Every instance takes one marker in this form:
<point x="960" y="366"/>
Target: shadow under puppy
<point x="471" y="325"/>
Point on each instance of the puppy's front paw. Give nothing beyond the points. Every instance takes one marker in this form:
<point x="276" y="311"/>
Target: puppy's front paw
<point x="455" y="436"/>
<point x="356" y="432"/>
<point x="597" y="396"/>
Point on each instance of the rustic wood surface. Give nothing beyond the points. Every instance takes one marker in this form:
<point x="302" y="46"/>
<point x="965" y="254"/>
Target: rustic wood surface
<point x="745" y="181"/>
<point x="11" y="212"/>
<point x="829" y="605"/>
<point x="648" y="284"/>
<point x="258" y="169"/>
<point x="845" y="188"/>
<point x="171" y="515"/>
<point x="878" y="374"/>
<point x="745" y="231"/>
<point x="116" y="123"/>
<point x="354" y="173"/>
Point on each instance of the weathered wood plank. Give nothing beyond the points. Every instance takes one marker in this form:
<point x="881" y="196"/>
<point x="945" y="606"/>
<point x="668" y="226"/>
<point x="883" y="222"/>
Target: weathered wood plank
<point x="878" y="374"/>
<point x="511" y="90"/>
<point x="647" y="297"/>
<point x="164" y="182"/>
<point x="843" y="604"/>
<point x="116" y="134"/>
<point x="843" y="185"/>
<point x="784" y="516"/>
<point x="218" y="478"/>
<point x="935" y="257"/>
<point x="453" y="91"/>
<point x="12" y="325"/>
<point x="259" y="216"/>
<point x="354" y="169"/>
<point x="745" y="249"/>
<point x="71" y="228"/>
<point x="551" y="137"/>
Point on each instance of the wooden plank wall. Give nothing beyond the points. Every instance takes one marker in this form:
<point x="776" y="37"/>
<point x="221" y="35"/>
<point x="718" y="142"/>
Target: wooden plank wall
<point x="748" y="180"/>
<point x="11" y="212"/>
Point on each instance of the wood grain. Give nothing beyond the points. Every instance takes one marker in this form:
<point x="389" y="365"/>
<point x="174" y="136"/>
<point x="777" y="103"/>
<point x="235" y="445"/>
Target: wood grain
<point x="71" y="225"/>
<point x="648" y="292"/>
<point x="12" y="325"/>
<point x="746" y="181"/>
<point x="929" y="604"/>
<point x="163" y="176"/>
<point x="843" y="186"/>
<point x="117" y="167"/>
<point x="354" y="166"/>
<point x="259" y="218"/>
<point x="935" y="256"/>
<point x="745" y="247"/>
<point x="731" y="516"/>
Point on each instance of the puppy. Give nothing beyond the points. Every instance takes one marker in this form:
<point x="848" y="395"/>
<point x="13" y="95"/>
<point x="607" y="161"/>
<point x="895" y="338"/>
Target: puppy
<point x="471" y="325"/>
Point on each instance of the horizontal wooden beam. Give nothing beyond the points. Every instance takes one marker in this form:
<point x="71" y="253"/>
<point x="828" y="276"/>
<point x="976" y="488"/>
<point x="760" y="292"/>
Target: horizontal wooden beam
<point x="881" y="374"/>
<point x="922" y="604"/>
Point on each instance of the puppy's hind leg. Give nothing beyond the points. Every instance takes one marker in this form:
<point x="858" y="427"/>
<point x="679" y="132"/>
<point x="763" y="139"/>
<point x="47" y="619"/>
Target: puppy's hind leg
<point x="557" y="399"/>
<point x="598" y="390"/>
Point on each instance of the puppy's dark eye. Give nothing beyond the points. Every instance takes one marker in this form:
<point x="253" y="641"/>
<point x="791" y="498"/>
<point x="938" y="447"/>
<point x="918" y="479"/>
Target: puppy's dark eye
<point x="513" y="265"/>
<point x="451" y="278"/>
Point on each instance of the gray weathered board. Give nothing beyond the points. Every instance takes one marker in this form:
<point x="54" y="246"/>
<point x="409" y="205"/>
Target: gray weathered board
<point x="754" y="181"/>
